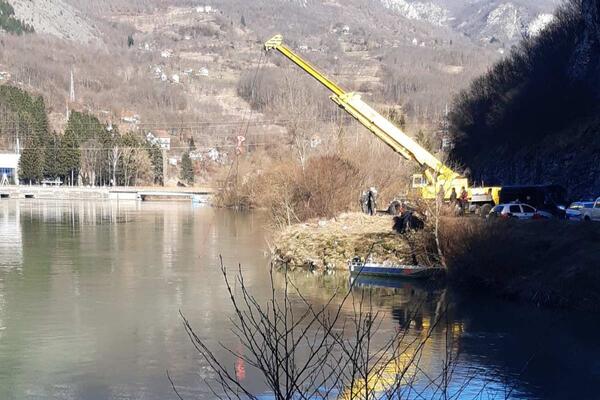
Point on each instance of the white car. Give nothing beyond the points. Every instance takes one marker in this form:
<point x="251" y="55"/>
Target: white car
<point x="591" y="214"/>
<point x="573" y="213"/>
<point x="516" y="211"/>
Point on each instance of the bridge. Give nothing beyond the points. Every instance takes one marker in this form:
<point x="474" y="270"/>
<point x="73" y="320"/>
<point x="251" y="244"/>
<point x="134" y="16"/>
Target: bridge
<point x="199" y="194"/>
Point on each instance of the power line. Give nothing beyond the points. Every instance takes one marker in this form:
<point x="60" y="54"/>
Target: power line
<point x="186" y="125"/>
<point x="151" y="147"/>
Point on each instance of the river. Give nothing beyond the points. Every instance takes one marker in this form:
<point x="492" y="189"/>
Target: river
<point x="90" y="295"/>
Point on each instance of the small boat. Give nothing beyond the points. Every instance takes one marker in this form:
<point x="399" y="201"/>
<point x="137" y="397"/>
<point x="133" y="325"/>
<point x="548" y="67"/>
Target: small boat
<point x="370" y="268"/>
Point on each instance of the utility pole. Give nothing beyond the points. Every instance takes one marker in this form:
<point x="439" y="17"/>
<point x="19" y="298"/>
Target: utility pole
<point x="72" y="89"/>
<point x="165" y="165"/>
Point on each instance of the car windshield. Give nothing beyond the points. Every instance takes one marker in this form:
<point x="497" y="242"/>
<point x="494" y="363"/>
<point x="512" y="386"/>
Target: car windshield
<point x="497" y="209"/>
<point x="576" y="206"/>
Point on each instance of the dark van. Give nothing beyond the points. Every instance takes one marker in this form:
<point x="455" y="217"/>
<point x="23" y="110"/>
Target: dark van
<point x="550" y="198"/>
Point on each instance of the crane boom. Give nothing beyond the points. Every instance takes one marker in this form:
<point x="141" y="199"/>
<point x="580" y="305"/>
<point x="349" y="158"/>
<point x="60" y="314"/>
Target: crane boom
<point x="435" y="170"/>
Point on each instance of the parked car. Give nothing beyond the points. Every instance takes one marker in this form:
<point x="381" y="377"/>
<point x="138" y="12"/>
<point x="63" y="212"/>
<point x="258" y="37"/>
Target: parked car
<point x="573" y="213"/>
<point x="547" y="198"/>
<point x="517" y="211"/>
<point x="591" y="214"/>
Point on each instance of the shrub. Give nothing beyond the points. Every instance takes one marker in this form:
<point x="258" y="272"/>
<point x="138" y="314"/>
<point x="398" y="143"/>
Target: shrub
<point x="328" y="185"/>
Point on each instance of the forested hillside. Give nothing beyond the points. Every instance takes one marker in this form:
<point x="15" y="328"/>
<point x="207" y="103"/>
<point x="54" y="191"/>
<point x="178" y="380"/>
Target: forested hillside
<point x="8" y="21"/>
<point x="87" y="152"/>
<point x="193" y="71"/>
<point x="535" y="116"/>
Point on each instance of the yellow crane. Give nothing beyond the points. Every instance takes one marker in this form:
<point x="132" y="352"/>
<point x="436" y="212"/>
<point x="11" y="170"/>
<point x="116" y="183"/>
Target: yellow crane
<point x="436" y="175"/>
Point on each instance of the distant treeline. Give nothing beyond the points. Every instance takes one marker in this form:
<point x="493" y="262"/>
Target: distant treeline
<point x="546" y="85"/>
<point x="9" y="23"/>
<point x="87" y="153"/>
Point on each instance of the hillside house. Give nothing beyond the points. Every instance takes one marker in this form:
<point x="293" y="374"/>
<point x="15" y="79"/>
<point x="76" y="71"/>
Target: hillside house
<point x="130" y="118"/>
<point x="196" y="155"/>
<point x="206" y="10"/>
<point x="159" y="138"/>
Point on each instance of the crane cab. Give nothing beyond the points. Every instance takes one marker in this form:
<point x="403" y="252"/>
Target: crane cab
<point x="418" y="181"/>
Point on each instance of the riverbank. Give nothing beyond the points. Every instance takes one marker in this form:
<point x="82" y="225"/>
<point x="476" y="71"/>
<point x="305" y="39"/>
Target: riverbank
<point x="331" y="243"/>
<point x="547" y="263"/>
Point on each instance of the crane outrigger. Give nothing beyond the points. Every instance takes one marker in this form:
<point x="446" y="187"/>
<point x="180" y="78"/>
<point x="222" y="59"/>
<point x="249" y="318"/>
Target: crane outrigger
<point x="436" y="176"/>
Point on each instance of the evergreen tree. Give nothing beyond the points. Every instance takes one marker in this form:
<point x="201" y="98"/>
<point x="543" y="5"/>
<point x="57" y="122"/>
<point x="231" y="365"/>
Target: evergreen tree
<point x="9" y="23"/>
<point x="130" y="41"/>
<point x="51" y="159"/>
<point x="106" y="141"/>
<point x="31" y="166"/>
<point x="69" y="156"/>
<point x="187" y="169"/>
<point x="40" y="119"/>
<point x="84" y="126"/>
<point x="243" y="21"/>
<point x="156" y="158"/>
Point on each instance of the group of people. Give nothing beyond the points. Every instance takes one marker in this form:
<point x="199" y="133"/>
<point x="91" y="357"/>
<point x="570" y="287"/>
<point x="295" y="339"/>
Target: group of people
<point x="460" y="202"/>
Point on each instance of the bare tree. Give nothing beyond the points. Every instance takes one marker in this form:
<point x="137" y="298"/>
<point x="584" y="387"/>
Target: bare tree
<point x="334" y="350"/>
<point x="90" y="161"/>
<point x="114" y="156"/>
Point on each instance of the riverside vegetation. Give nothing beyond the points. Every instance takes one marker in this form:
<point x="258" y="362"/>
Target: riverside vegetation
<point x="87" y="152"/>
<point x="548" y="263"/>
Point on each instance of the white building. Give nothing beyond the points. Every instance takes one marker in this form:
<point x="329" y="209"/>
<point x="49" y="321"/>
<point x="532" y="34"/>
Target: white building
<point x="203" y="71"/>
<point x="160" y="138"/>
<point x="205" y="9"/>
<point x="9" y="168"/>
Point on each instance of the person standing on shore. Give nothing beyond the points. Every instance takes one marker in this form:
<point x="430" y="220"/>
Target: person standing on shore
<point x="371" y="201"/>
<point x="464" y="199"/>
<point x="453" y="197"/>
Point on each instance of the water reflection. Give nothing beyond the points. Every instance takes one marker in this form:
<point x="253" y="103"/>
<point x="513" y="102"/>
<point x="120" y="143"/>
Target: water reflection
<point x="90" y="294"/>
<point x="499" y="349"/>
<point x="11" y="242"/>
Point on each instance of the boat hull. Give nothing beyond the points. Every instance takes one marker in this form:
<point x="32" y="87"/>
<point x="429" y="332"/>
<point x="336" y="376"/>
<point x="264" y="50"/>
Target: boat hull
<point x="404" y="271"/>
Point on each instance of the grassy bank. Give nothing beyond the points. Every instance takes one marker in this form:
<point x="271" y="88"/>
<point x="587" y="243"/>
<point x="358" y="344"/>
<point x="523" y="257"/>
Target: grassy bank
<point x="548" y="263"/>
<point x="331" y="243"/>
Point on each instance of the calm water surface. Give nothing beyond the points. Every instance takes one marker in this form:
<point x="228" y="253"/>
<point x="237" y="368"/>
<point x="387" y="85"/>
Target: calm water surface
<point x="90" y="294"/>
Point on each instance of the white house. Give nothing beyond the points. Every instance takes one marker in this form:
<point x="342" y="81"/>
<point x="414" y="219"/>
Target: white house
<point x="9" y="168"/>
<point x="160" y="138"/>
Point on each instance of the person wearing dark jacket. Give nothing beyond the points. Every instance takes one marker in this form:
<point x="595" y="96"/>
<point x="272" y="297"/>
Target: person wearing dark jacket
<point x="453" y="197"/>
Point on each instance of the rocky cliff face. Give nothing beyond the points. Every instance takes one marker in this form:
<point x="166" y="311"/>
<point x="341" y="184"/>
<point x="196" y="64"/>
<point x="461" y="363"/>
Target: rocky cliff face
<point x="585" y="62"/>
<point x="570" y="158"/>
<point x="535" y="117"/>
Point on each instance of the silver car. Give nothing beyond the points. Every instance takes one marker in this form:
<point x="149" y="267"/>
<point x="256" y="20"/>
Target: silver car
<point x="573" y="213"/>
<point x="517" y="211"/>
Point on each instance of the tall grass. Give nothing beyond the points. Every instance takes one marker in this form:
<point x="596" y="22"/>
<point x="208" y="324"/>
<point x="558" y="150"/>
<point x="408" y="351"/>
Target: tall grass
<point x="549" y="263"/>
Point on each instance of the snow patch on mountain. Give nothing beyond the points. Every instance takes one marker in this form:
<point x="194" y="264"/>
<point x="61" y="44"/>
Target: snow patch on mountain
<point x="505" y="20"/>
<point x="540" y="23"/>
<point x="422" y="11"/>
